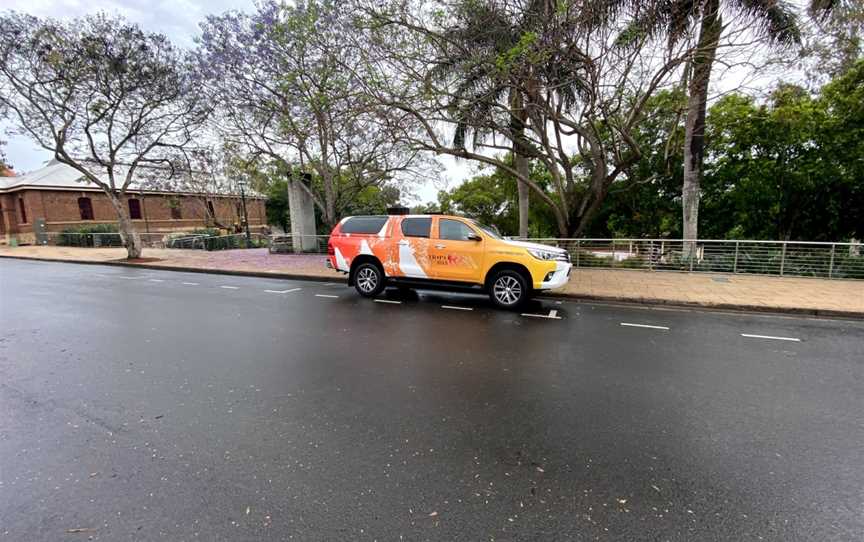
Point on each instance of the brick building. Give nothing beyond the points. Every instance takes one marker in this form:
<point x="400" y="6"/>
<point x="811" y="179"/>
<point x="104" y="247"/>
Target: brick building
<point x="59" y="195"/>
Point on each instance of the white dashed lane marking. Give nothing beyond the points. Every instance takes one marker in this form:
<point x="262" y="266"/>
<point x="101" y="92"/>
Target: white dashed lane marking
<point x="663" y="328"/>
<point x="553" y="315"/>
<point x="771" y="337"/>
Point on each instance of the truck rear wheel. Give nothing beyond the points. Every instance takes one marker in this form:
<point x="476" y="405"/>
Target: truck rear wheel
<point x="508" y="289"/>
<point x="368" y="279"/>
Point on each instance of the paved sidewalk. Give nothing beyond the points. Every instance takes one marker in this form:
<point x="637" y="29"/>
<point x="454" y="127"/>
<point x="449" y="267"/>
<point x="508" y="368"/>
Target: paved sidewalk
<point x="747" y="292"/>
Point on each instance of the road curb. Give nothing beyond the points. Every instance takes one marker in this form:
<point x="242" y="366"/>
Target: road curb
<point x="649" y="301"/>
<point x="230" y="272"/>
<point x="719" y="307"/>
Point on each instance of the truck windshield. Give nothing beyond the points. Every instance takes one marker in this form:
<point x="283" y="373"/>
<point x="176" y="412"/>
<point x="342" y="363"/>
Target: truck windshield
<point x="491" y="231"/>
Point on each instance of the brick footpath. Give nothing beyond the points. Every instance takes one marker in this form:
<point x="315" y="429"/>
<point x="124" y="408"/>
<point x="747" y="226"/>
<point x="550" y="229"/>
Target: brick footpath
<point x="742" y="292"/>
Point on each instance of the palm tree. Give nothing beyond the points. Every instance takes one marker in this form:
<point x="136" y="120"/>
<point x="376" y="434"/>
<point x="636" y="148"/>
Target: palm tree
<point x="485" y="33"/>
<point x="774" y="19"/>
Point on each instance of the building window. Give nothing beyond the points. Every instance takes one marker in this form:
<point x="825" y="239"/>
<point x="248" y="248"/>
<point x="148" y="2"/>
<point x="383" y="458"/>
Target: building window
<point x="211" y="209"/>
<point x="176" y="209"/>
<point x="135" y="209"/>
<point x="22" y="210"/>
<point x="85" y="207"/>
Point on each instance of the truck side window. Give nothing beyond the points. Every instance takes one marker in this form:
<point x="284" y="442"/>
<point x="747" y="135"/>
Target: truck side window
<point x="416" y="227"/>
<point x="364" y="224"/>
<point x="453" y="230"/>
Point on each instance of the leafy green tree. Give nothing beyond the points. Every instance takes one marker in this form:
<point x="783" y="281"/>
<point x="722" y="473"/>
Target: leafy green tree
<point x="373" y="200"/>
<point x="493" y="199"/>
<point x="775" y="20"/>
<point x="844" y="99"/>
<point x="843" y="140"/>
<point x="780" y="170"/>
<point x="485" y="198"/>
<point x="646" y="203"/>
<point x="277" y="207"/>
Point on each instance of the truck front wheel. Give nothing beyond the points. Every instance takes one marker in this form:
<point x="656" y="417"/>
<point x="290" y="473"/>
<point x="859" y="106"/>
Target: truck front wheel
<point x="508" y="289"/>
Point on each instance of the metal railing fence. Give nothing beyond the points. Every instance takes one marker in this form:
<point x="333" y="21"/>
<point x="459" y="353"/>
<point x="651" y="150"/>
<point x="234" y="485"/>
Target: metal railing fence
<point x="97" y="240"/>
<point x="157" y="240"/>
<point x="780" y="258"/>
<point x="298" y="244"/>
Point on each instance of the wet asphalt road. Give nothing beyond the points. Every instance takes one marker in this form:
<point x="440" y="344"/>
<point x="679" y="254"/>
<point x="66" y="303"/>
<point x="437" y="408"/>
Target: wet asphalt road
<point x="148" y="405"/>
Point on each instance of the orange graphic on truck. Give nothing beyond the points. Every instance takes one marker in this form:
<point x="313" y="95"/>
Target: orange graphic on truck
<point x="440" y="251"/>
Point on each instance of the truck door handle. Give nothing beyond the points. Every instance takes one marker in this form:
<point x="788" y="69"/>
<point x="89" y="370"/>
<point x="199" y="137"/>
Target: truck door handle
<point x="440" y="246"/>
<point x="403" y="242"/>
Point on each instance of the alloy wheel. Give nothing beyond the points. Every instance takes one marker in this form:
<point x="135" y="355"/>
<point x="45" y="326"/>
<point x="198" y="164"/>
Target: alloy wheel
<point x="507" y="290"/>
<point x="367" y="279"/>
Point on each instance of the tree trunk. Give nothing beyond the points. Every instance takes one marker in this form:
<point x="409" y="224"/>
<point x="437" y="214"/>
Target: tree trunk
<point x="131" y="238"/>
<point x="598" y="191"/>
<point x="521" y="164"/>
<point x="694" y="130"/>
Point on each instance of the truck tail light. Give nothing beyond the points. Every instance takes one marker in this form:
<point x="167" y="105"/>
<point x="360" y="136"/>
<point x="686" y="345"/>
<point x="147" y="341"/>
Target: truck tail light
<point x="330" y="250"/>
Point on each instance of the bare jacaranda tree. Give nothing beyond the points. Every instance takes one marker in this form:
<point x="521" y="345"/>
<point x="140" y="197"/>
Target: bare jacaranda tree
<point x="105" y="97"/>
<point x="285" y="81"/>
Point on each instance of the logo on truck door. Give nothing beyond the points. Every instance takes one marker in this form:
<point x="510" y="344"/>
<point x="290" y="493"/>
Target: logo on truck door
<point x="452" y="259"/>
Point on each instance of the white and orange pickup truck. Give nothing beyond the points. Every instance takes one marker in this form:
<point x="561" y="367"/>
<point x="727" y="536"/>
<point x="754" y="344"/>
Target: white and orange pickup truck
<point x="442" y="252"/>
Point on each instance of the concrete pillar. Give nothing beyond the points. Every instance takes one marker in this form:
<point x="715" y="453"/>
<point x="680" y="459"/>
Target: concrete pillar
<point x="302" y="210"/>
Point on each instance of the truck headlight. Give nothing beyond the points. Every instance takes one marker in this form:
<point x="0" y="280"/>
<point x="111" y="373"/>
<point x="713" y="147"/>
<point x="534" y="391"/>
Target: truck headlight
<point x="542" y="254"/>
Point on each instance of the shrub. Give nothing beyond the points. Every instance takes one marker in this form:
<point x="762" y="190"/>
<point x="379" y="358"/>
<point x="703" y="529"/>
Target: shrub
<point x="210" y="232"/>
<point x="83" y="236"/>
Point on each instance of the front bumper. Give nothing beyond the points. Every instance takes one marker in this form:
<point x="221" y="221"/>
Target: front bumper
<point x="559" y="276"/>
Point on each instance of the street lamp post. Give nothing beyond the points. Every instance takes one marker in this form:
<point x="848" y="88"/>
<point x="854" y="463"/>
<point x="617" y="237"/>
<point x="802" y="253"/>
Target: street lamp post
<point x="242" y="184"/>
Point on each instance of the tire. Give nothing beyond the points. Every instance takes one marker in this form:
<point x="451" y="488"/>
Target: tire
<point x="368" y="279"/>
<point x="508" y="289"/>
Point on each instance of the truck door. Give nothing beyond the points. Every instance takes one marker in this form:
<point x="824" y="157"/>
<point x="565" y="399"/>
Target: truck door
<point x="456" y="252"/>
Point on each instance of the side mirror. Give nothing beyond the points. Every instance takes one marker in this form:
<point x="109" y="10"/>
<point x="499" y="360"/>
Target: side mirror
<point x="474" y="237"/>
